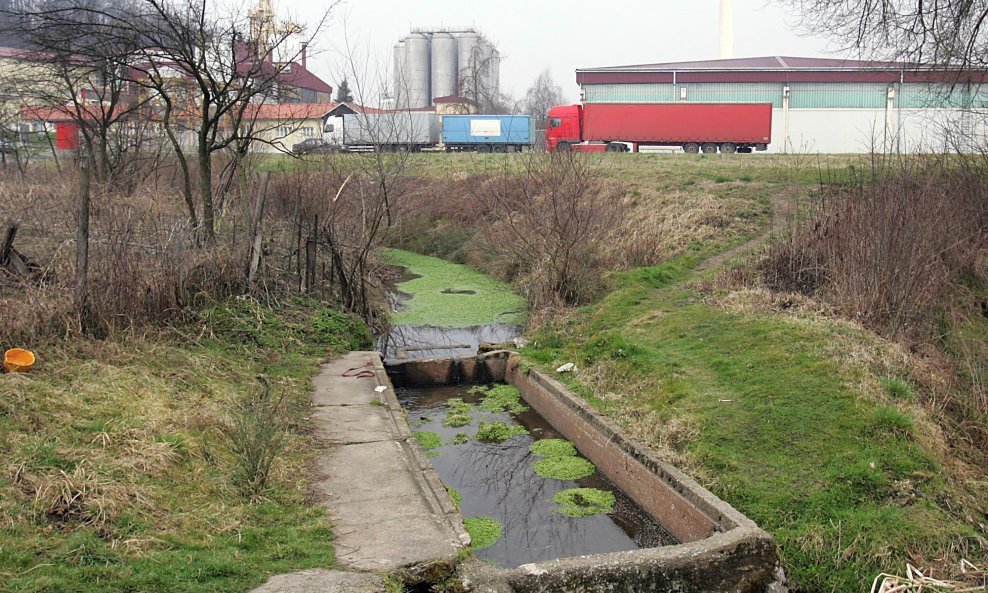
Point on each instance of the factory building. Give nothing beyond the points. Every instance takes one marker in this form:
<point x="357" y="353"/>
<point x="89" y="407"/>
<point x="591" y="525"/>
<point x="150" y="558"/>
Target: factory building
<point x="819" y="105"/>
<point x="435" y="63"/>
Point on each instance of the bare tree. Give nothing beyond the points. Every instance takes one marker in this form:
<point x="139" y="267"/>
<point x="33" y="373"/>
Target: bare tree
<point x="943" y="32"/>
<point x="542" y="96"/>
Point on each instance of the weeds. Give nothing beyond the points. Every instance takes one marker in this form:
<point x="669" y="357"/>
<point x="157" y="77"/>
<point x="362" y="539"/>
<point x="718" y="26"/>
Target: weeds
<point x="255" y="436"/>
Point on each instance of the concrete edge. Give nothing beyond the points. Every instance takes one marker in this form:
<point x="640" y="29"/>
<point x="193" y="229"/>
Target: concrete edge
<point x="725" y="516"/>
<point x="431" y="486"/>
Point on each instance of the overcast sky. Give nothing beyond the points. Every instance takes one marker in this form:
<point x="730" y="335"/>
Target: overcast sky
<point x="559" y="35"/>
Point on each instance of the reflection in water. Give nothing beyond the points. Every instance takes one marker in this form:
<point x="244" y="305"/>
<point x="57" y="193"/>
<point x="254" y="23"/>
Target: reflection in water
<point x="403" y="342"/>
<point x="497" y="480"/>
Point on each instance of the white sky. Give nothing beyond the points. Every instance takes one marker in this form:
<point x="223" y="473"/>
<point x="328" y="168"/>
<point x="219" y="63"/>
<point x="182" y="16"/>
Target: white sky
<point x="561" y="35"/>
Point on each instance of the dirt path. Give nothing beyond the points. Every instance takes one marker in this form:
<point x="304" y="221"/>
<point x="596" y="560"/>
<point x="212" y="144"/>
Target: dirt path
<point x="781" y="208"/>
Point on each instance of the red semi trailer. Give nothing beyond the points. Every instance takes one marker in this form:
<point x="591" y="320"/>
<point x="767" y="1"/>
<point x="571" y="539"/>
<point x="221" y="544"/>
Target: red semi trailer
<point x="696" y="127"/>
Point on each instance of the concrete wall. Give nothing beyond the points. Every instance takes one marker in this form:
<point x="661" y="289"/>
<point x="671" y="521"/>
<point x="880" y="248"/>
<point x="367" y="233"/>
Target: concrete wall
<point x="722" y="550"/>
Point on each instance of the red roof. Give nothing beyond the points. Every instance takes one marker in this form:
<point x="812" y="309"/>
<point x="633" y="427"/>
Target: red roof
<point x="298" y="76"/>
<point x="453" y="99"/>
<point x="779" y="69"/>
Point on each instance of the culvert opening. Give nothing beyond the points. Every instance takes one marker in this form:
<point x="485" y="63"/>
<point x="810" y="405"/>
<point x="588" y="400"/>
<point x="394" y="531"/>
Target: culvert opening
<point x="525" y="493"/>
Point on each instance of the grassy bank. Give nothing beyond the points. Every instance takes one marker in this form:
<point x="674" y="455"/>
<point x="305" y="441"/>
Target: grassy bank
<point x="794" y="422"/>
<point x="118" y="475"/>
<point x="452" y="295"/>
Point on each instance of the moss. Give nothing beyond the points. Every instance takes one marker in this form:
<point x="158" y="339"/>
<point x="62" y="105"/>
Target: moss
<point x="461" y="438"/>
<point x="563" y="468"/>
<point x="583" y="502"/>
<point x="428" y="440"/>
<point x="484" y="531"/>
<point x="459" y="413"/>
<point x="553" y="448"/>
<point x="501" y="398"/>
<point x="498" y="432"/>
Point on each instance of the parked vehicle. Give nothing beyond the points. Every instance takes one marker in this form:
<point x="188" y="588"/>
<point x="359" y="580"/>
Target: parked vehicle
<point x="696" y="127"/>
<point x="398" y="131"/>
<point x="312" y="146"/>
<point x="487" y="133"/>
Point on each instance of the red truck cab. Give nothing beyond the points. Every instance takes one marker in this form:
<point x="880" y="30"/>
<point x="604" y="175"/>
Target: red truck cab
<point x="564" y="126"/>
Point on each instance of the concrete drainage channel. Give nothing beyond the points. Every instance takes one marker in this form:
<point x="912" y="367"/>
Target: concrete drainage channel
<point x="720" y="549"/>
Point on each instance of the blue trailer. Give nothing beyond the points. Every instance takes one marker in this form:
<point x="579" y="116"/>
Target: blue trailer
<point x="487" y="133"/>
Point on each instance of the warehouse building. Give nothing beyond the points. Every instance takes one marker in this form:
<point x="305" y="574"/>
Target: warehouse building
<point x="819" y="104"/>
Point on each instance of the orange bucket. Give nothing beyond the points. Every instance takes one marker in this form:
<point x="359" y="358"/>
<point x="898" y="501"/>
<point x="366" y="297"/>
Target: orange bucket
<point x="17" y="360"/>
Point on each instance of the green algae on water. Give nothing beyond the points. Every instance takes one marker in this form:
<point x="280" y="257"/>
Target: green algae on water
<point x="484" y="531"/>
<point x="461" y="438"/>
<point x="563" y="468"/>
<point x="584" y="502"/>
<point x="553" y="448"/>
<point x="501" y="398"/>
<point x="428" y="440"/>
<point x="498" y="432"/>
<point x="455" y="495"/>
<point x="458" y="413"/>
<point x="453" y="295"/>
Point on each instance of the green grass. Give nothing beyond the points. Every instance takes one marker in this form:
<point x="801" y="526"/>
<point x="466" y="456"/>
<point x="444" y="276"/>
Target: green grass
<point x="428" y="440"/>
<point x="491" y="302"/>
<point x="842" y="481"/>
<point x="135" y="420"/>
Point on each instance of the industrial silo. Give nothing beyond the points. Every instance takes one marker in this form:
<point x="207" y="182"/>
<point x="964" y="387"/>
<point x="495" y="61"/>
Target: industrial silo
<point x="416" y="78"/>
<point x="399" y="94"/>
<point x="490" y="70"/>
<point x="466" y="61"/>
<point x="444" y="61"/>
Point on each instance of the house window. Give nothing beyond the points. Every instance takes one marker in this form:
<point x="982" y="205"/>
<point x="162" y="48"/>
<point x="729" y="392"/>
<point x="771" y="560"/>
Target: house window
<point x="308" y="132"/>
<point x="284" y="131"/>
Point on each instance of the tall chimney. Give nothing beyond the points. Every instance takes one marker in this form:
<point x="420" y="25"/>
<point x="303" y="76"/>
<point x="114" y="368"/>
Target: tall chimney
<point x="305" y="51"/>
<point x="726" y="29"/>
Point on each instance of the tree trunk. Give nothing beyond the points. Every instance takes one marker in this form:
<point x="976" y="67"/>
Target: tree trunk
<point x="206" y="191"/>
<point x="82" y="243"/>
<point x="256" y="229"/>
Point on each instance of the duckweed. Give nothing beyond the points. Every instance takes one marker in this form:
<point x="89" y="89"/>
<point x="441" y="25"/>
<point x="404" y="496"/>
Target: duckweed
<point x="584" y="502"/>
<point x="484" y="531"/>
<point x="563" y="468"/>
<point x="498" y="432"/>
<point x="553" y="448"/>
<point x="428" y="440"/>
<point x="501" y="398"/>
<point x="459" y="413"/>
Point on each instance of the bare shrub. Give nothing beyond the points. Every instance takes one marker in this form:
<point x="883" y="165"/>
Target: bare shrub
<point x="554" y="223"/>
<point x="888" y="253"/>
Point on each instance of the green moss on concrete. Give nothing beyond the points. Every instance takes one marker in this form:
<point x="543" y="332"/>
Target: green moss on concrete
<point x="498" y="432"/>
<point x="553" y="448"/>
<point x="441" y="295"/>
<point x="563" y="468"/>
<point x="584" y="502"/>
<point x="428" y="440"/>
<point x="484" y="531"/>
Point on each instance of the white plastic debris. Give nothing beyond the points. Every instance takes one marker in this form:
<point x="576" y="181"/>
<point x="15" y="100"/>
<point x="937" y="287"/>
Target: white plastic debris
<point x="380" y="389"/>
<point x="569" y="367"/>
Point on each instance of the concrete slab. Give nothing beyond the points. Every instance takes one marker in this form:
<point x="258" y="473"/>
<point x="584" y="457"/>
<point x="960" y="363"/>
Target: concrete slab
<point x="389" y="509"/>
<point x="323" y="581"/>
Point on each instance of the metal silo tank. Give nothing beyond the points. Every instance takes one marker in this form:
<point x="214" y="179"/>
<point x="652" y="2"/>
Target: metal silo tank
<point x="444" y="60"/>
<point x="466" y="45"/>
<point x="397" y="75"/>
<point x="416" y="77"/>
<point x="492" y="70"/>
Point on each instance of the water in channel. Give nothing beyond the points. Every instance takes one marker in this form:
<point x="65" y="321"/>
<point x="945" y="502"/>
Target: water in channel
<point x="497" y="481"/>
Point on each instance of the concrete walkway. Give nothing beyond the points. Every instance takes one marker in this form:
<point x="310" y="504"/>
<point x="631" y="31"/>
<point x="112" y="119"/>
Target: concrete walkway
<point x="388" y="508"/>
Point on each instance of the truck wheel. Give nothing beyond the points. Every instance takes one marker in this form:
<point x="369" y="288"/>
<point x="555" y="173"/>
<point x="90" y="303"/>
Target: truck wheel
<point x="691" y="148"/>
<point x="615" y="147"/>
<point x="728" y="148"/>
<point x="500" y="148"/>
<point x="564" y="147"/>
<point x="484" y="148"/>
<point x="709" y="148"/>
